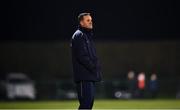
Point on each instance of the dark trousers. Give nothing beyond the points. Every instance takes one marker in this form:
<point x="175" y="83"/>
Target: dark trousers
<point x="86" y="91"/>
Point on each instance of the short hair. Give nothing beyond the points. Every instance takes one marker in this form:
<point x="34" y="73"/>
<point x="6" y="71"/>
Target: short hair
<point x="81" y="15"/>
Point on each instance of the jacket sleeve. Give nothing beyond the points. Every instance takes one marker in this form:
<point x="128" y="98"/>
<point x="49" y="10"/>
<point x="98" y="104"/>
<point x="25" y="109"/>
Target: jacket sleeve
<point x="82" y="54"/>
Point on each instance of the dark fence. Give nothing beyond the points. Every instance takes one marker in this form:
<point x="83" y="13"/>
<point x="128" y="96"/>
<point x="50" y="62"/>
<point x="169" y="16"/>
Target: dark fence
<point x="49" y="65"/>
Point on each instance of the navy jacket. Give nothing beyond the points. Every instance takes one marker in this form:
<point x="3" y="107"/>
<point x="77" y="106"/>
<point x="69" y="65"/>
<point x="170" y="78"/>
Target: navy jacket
<point x="86" y="66"/>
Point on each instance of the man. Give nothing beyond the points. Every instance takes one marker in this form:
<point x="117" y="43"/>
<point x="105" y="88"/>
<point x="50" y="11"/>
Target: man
<point x="86" y="67"/>
<point x="153" y="85"/>
<point x="132" y="83"/>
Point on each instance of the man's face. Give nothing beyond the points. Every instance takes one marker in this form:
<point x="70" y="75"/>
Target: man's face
<point x="87" y="22"/>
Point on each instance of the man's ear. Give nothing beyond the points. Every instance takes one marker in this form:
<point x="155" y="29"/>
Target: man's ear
<point x="81" y="23"/>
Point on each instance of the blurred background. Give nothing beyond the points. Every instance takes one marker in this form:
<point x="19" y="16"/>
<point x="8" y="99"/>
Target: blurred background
<point x="137" y="42"/>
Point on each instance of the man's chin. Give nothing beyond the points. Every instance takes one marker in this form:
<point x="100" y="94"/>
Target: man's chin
<point x="90" y="28"/>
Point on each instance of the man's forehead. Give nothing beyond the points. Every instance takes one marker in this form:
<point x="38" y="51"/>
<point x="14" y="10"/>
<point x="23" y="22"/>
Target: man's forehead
<point x="87" y="17"/>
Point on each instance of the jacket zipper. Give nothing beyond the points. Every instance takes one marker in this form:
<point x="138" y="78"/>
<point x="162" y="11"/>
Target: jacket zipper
<point x="97" y="74"/>
<point x="81" y="90"/>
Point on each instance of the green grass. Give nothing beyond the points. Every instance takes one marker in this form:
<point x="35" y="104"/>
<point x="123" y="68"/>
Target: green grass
<point x="99" y="104"/>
